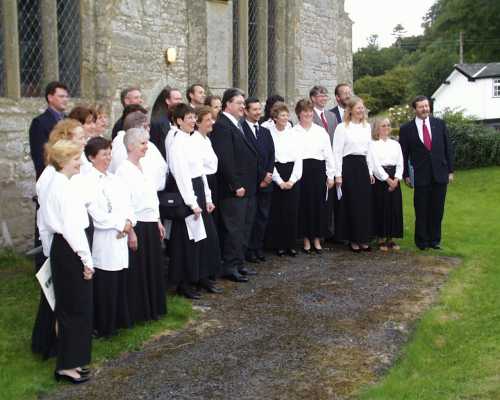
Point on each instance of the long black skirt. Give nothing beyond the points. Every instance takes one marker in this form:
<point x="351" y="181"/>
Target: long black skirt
<point x="145" y="284"/>
<point x="387" y="208"/>
<point x="110" y="302"/>
<point x="354" y="219"/>
<point x="283" y="225"/>
<point x="313" y="205"/>
<point x="73" y="309"/>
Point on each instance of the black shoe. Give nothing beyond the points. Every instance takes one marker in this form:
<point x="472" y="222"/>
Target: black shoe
<point x="213" y="289"/>
<point x="422" y="247"/>
<point x="247" y="272"/>
<point x="84" y="371"/>
<point x="318" y="251"/>
<point x="435" y="246"/>
<point x="306" y="251"/>
<point x="189" y="293"/>
<point x="358" y="250"/>
<point x="236" y="277"/>
<point x="260" y="255"/>
<point x="291" y="252"/>
<point x="280" y="252"/>
<point x="75" y="381"/>
<point x="251" y="258"/>
<point x="367" y="248"/>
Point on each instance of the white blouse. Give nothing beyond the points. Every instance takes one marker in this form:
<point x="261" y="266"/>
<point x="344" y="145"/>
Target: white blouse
<point x="142" y="192"/>
<point x="353" y="139"/>
<point x="208" y="155"/>
<point x="153" y="164"/>
<point x="185" y="159"/>
<point x="270" y="124"/>
<point x="387" y="153"/>
<point x="62" y="211"/>
<point x="110" y="209"/>
<point x="287" y="149"/>
<point x="315" y="144"/>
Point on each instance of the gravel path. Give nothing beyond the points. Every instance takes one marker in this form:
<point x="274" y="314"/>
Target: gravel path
<point x="310" y="327"/>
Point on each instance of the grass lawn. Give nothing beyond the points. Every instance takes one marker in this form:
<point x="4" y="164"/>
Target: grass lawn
<point x="455" y="351"/>
<point x="23" y="375"/>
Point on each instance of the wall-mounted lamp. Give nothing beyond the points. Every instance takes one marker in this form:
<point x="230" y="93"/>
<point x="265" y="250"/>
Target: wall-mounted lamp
<point x="170" y="55"/>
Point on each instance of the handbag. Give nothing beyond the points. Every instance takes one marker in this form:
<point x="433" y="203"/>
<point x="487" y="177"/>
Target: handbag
<point x="172" y="205"/>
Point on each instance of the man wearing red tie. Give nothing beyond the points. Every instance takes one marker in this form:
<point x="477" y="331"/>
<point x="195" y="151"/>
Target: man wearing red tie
<point x="425" y="144"/>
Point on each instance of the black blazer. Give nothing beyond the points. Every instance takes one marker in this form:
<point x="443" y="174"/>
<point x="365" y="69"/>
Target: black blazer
<point x="39" y="132"/>
<point x="158" y="133"/>
<point x="336" y="111"/>
<point x="265" y="152"/>
<point x="428" y="166"/>
<point x="237" y="159"/>
<point x="117" y="127"/>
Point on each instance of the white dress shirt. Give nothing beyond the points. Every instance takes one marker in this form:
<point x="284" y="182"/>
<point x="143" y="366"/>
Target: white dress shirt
<point x="153" y="164"/>
<point x="207" y="153"/>
<point x="287" y="149"/>
<point x="352" y="139"/>
<point x="251" y="125"/>
<point x="62" y="211"/>
<point x="387" y="153"/>
<point x="142" y="192"/>
<point x="315" y="144"/>
<point x="110" y="209"/>
<point x="232" y="119"/>
<point x="419" y="123"/>
<point x="341" y="112"/>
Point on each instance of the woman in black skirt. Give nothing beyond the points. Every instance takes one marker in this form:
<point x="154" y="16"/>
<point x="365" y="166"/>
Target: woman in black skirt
<point x="145" y="284"/>
<point x="113" y="219"/>
<point x="317" y="177"/>
<point x="192" y="260"/>
<point x="354" y="177"/>
<point x="282" y="229"/>
<point x="387" y="200"/>
<point x="64" y="218"/>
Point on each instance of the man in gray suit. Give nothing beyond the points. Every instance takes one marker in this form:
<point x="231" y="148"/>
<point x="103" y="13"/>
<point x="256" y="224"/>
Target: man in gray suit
<point x="326" y="119"/>
<point x="322" y="117"/>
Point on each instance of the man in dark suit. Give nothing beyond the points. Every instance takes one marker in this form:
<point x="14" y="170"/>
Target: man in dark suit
<point x="262" y="141"/>
<point x="236" y="182"/>
<point x="343" y="93"/>
<point x="425" y="144"/>
<point x="128" y="96"/>
<point x="56" y="95"/>
<point x="326" y="119"/>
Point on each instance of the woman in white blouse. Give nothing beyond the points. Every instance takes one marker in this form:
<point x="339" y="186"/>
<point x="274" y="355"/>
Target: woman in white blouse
<point x="146" y="288"/>
<point x="64" y="218"/>
<point x="388" y="205"/>
<point x="317" y="177"/>
<point x="282" y="229"/>
<point x="188" y="267"/>
<point x="354" y="177"/>
<point x="113" y="219"/>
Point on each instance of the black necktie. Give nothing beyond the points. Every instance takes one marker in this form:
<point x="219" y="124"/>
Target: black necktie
<point x="256" y="131"/>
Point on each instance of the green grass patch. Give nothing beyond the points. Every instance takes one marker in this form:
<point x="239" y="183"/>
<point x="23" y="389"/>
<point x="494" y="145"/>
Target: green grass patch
<point x="455" y="351"/>
<point x="24" y="375"/>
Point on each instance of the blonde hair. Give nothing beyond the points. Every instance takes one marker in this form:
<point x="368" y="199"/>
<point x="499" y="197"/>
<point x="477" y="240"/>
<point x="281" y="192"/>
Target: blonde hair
<point x="60" y="152"/>
<point x="63" y="130"/>
<point x="376" y="126"/>
<point x="351" y="103"/>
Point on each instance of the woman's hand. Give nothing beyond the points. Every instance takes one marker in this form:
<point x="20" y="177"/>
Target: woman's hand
<point x="338" y="181"/>
<point x="125" y="231"/>
<point x="372" y="179"/>
<point x="132" y="240"/>
<point x="161" y="229"/>
<point x="329" y="183"/>
<point x="283" y="186"/>
<point x="210" y="207"/>
<point x="87" y="273"/>
<point x="197" y="212"/>
<point x="289" y="185"/>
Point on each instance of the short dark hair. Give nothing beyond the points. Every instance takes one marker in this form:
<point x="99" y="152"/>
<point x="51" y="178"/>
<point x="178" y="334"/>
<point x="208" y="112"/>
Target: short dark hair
<point x="160" y="108"/>
<point x="229" y="95"/>
<point x="418" y="99"/>
<point x="133" y="108"/>
<point x="190" y="90"/>
<point x="209" y="99"/>
<point x="81" y="113"/>
<point x="303" y="105"/>
<point x="126" y="91"/>
<point x="180" y="111"/>
<point x="51" y="88"/>
<point x="271" y="100"/>
<point x="95" y="144"/>
<point x="317" y="89"/>
<point x="251" y="100"/>
<point x="337" y="88"/>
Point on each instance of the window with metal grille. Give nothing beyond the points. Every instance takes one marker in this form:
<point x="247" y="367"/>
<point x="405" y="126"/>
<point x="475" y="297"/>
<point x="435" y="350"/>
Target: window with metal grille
<point x="252" y="47"/>
<point x="236" y="43"/>
<point x="496" y="87"/>
<point x="68" y="35"/>
<point x="2" y="64"/>
<point x="271" y="47"/>
<point x="30" y="47"/>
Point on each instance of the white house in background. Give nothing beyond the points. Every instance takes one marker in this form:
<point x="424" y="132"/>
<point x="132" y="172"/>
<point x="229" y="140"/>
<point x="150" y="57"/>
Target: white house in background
<point x="473" y="89"/>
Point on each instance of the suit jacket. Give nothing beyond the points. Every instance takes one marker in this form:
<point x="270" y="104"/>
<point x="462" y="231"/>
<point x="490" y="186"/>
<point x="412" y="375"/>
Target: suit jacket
<point x="336" y="111"/>
<point x="158" y="133"/>
<point x="264" y="145"/>
<point x="428" y="166"/>
<point x="330" y="119"/>
<point x="238" y="165"/>
<point x="39" y="132"/>
<point x="117" y="127"/>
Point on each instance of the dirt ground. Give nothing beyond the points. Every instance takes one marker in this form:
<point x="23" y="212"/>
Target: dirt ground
<point x="310" y="327"/>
